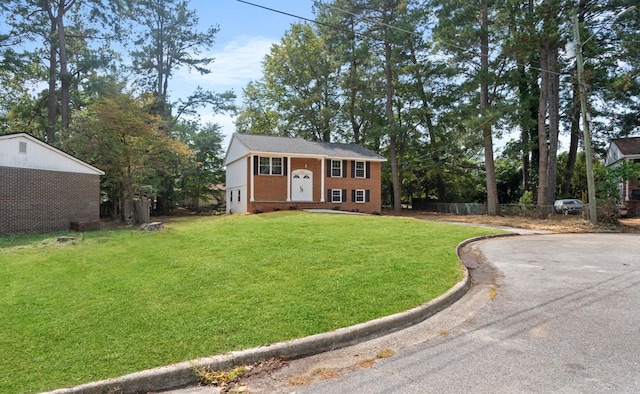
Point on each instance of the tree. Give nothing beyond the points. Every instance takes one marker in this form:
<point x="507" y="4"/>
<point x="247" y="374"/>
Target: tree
<point x="385" y="27"/>
<point x="205" y="169"/>
<point x="359" y="119"/>
<point x="548" y="105"/>
<point x="464" y="30"/>
<point x="258" y="114"/>
<point x="166" y="39"/>
<point x="117" y="134"/>
<point x="48" y="22"/>
<point x="299" y="73"/>
<point x="388" y="11"/>
<point x="521" y="44"/>
<point x="493" y="207"/>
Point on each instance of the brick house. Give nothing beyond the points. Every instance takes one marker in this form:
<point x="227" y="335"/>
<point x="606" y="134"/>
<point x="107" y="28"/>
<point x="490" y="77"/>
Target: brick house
<point x="626" y="149"/>
<point x="267" y="173"/>
<point x="43" y="189"/>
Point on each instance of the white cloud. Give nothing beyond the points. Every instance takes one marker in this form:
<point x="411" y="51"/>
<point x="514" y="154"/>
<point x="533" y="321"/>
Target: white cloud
<point x="239" y="62"/>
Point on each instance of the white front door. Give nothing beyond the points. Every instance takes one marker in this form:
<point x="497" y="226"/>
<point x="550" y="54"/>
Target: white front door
<point x="302" y="185"/>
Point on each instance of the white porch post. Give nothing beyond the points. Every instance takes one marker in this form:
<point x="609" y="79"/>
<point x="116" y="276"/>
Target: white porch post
<point x="252" y="171"/>
<point x="288" y="178"/>
<point x="323" y="173"/>
<point x="626" y="190"/>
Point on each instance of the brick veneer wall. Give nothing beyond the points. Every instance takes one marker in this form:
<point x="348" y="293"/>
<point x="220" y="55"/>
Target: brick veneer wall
<point x="43" y="201"/>
<point x="271" y="191"/>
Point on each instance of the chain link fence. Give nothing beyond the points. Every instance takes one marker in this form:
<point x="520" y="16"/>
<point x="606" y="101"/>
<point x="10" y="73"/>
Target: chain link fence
<point x="522" y="210"/>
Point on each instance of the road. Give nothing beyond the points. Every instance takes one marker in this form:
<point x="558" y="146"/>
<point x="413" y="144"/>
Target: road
<point x="550" y="313"/>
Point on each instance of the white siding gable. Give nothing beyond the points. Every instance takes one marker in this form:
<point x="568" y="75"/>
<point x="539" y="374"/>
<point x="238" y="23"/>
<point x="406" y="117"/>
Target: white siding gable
<point x="613" y="155"/>
<point x="23" y="151"/>
<point x="237" y="174"/>
<point x="235" y="151"/>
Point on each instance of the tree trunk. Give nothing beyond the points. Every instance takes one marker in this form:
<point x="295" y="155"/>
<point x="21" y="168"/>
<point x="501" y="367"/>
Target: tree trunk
<point x="573" y="144"/>
<point x="393" y="153"/>
<point x="353" y="70"/>
<point x="529" y="111"/>
<point x="542" y="133"/>
<point x="65" y="78"/>
<point x="554" y="125"/>
<point x="575" y="124"/>
<point x="52" y="100"/>
<point x="427" y="118"/>
<point x="524" y="127"/>
<point x="493" y="206"/>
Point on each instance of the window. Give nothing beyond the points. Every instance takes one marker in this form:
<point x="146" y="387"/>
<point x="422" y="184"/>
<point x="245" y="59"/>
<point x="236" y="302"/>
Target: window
<point x="238" y="195"/>
<point x="336" y="195"/>
<point x="360" y="169"/>
<point x="360" y="196"/>
<point x="336" y="168"/>
<point x="276" y="166"/>
<point x="265" y="166"/>
<point x="270" y="166"/>
<point x="231" y="196"/>
<point x="23" y="147"/>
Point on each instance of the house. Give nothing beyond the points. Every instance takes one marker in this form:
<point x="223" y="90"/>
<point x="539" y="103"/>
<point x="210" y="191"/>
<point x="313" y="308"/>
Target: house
<point x="43" y="189"/>
<point x="211" y="200"/>
<point x="626" y="149"/>
<point x="268" y="173"/>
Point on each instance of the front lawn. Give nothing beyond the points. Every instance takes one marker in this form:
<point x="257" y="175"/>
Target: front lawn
<point x="115" y="302"/>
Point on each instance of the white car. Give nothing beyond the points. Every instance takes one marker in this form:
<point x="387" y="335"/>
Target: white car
<point x="568" y="205"/>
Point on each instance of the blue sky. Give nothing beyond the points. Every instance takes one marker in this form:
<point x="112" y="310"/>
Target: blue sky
<point x="245" y="37"/>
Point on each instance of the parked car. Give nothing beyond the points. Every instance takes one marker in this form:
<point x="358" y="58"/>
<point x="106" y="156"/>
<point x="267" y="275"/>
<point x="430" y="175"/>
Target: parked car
<point x="568" y="205"/>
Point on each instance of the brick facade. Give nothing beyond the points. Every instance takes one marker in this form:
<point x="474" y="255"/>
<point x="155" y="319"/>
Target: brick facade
<point x="43" y="201"/>
<point x="271" y="190"/>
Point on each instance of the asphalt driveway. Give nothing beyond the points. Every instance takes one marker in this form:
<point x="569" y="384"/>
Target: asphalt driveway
<point x="555" y="313"/>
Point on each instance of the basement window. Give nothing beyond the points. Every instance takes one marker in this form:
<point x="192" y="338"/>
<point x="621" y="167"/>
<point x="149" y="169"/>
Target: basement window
<point x="22" y="147"/>
<point x="336" y="195"/>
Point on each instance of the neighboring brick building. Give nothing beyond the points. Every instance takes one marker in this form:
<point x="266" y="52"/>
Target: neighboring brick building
<point x="267" y="173"/>
<point x="43" y="189"/>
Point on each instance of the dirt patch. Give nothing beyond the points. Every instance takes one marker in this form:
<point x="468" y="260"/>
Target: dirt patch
<point x="557" y="223"/>
<point x="233" y="381"/>
<point x="264" y="368"/>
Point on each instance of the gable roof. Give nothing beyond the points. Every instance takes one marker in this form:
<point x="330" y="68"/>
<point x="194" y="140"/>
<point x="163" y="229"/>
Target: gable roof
<point x="39" y="155"/>
<point x="628" y="146"/>
<point x="268" y="144"/>
<point x="622" y="148"/>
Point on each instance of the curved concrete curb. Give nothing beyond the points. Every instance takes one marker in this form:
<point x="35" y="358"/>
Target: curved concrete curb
<point x="183" y="374"/>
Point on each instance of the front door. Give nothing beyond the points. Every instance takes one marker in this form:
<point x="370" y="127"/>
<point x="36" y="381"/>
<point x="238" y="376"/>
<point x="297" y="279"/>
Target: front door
<point x="302" y="185"/>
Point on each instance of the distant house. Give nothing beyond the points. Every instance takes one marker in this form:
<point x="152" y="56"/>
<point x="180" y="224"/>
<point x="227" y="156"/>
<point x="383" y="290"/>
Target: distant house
<point x="42" y="188"/>
<point x="267" y="173"/>
<point x="626" y="149"/>
<point x="213" y="198"/>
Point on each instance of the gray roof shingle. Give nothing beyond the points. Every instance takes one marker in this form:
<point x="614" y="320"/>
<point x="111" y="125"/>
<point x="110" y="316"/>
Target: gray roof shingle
<point x="299" y="146"/>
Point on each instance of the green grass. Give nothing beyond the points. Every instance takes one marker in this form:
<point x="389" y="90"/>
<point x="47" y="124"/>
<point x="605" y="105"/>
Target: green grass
<point x="115" y="302"/>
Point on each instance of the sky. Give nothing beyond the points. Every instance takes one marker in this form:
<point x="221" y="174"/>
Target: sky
<point x="246" y="35"/>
